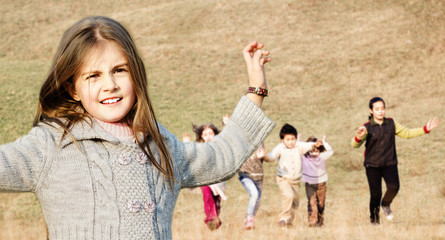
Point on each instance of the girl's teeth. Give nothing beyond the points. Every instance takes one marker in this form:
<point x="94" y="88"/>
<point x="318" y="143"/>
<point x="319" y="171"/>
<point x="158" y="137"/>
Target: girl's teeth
<point x="108" y="101"/>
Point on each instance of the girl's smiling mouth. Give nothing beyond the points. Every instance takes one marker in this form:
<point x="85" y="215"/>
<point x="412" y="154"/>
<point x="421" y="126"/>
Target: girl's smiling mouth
<point x="111" y="100"/>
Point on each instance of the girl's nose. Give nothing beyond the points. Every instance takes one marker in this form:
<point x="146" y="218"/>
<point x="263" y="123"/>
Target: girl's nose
<point x="109" y="83"/>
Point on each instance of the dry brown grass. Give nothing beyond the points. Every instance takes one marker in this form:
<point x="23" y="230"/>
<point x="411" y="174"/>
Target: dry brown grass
<point x="329" y="59"/>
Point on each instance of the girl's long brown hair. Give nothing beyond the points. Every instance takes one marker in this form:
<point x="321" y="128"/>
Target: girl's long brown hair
<point x="56" y="105"/>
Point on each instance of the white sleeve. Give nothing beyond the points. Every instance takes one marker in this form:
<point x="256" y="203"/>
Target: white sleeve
<point x="276" y="153"/>
<point x="328" y="153"/>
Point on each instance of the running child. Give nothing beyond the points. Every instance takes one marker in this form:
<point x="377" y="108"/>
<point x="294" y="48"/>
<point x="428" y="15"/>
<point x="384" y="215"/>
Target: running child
<point x="251" y="177"/>
<point x="315" y="178"/>
<point x="289" y="171"/>
<point x="211" y="194"/>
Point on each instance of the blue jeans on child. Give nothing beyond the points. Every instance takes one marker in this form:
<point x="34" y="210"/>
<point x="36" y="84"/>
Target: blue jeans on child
<point x="254" y="189"/>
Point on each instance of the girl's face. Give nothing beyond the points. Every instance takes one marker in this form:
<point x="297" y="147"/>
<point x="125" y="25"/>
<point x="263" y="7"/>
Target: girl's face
<point x="378" y="110"/>
<point x="207" y="134"/>
<point x="104" y="84"/>
<point x="289" y="140"/>
<point x="314" y="153"/>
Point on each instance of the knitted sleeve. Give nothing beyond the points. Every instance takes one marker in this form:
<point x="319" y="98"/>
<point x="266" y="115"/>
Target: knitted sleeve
<point x="220" y="159"/>
<point x="21" y="161"/>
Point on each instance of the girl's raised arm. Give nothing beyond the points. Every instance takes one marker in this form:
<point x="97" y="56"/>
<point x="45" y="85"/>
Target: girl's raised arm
<point x="408" y="133"/>
<point x="329" y="152"/>
<point x="255" y="59"/>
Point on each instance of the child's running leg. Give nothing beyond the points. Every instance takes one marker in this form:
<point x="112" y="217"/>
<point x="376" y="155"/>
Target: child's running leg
<point x="374" y="176"/>
<point x="295" y="188"/>
<point x="391" y="177"/>
<point x="250" y="187"/>
<point x="286" y="200"/>
<point x="289" y="193"/>
<point x="217" y="200"/>
<point x="259" y="188"/>
<point x="311" y="193"/>
<point x="321" y="197"/>
<point x="210" y="207"/>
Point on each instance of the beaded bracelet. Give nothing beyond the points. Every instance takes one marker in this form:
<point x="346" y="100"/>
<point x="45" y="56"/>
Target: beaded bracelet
<point x="259" y="91"/>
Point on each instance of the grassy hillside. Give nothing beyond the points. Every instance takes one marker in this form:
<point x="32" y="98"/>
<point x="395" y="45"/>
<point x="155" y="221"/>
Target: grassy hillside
<point x="328" y="59"/>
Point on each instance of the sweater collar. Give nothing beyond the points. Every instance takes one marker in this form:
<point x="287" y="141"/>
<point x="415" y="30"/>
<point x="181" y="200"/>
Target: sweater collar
<point x="373" y="123"/>
<point x="86" y="130"/>
<point x="83" y="130"/>
<point x="120" y="130"/>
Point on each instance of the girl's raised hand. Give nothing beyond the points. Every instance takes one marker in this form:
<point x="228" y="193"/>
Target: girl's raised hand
<point x="318" y="143"/>
<point x="432" y="123"/>
<point x="186" y="137"/>
<point x="225" y="119"/>
<point x="261" y="152"/>
<point x="361" y="132"/>
<point x="255" y="59"/>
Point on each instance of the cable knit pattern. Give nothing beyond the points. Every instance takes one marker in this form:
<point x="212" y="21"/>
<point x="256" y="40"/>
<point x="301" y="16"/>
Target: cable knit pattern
<point x="100" y="187"/>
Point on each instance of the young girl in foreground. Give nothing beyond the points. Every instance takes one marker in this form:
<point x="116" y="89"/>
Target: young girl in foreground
<point x="381" y="157"/>
<point x="100" y="164"/>
<point x="315" y="178"/>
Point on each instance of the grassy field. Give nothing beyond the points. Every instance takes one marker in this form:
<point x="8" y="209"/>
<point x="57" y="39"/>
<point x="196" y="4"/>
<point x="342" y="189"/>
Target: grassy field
<point x="328" y="59"/>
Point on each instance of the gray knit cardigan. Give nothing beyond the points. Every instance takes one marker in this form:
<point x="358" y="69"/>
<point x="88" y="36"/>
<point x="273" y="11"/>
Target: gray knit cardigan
<point x="102" y="188"/>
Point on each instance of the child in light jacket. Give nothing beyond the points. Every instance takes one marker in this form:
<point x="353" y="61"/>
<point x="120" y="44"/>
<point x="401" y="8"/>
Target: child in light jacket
<point x="289" y="171"/>
<point x="315" y="177"/>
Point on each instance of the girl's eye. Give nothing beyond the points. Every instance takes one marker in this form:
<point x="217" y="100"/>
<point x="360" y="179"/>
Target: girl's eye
<point x="119" y="70"/>
<point x="92" y="76"/>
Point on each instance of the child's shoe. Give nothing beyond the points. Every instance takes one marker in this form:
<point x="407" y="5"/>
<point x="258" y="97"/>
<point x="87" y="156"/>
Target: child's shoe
<point x="214" y="224"/>
<point x="249" y="223"/>
<point x="375" y="220"/>
<point x="283" y="223"/>
<point x="375" y="217"/>
<point x="313" y="222"/>
<point x="320" y="220"/>
<point x="388" y="212"/>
